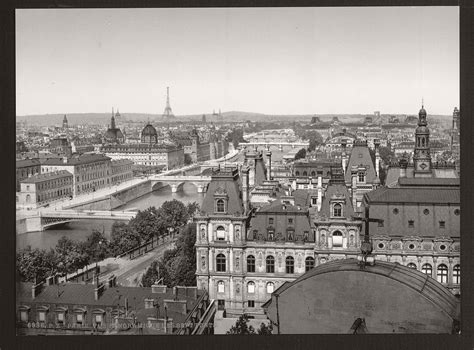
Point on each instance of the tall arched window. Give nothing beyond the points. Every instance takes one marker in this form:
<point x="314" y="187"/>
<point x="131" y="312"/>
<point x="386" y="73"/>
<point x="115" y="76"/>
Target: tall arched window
<point x="290" y="264"/>
<point x="411" y="266"/>
<point x="427" y="269"/>
<point x="28" y="198"/>
<point x="442" y="273"/>
<point x="337" y="239"/>
<point x="297" y="173"/>
<point x="251" y="287"/>
<point x="457" y="274"/>
<point x="337" y="210"/>
<point x="220" y="206"/>
<point x="309" y="263"/>
<point x="313" y="173"/>
<point x="305" y="173"/>
<point x="270" y="262"/>
<point x="250" y="263"/>
<point x="270" y="287"/>
<point x="220" y="263"/>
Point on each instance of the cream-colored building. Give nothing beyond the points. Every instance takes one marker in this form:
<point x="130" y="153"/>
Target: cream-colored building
<point x="90" y="171"/>
<point x="40" y="189"/>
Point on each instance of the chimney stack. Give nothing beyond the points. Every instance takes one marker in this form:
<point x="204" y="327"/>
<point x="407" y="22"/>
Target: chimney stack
<point x="269" y="166"/>
<point x="403" y="167"/>
<point x="320" y="191"/>
<point x="344" y="155"/>
<point x="354" y="171"/>
<point x="377" y="157"/>
<point x="245" y="187"/>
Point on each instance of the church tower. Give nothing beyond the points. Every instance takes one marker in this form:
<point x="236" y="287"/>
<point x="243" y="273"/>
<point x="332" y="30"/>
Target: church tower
<point x="65" y="123"/>
<point x="422" y="157"/>
<point x="112" y="120"/>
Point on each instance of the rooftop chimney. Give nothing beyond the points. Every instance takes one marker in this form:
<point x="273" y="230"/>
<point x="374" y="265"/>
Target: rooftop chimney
<point x="36" y="289"/>
<point x="98" y="291"/>
<point x="245" y="187"/>
<point x="403" y="167"/>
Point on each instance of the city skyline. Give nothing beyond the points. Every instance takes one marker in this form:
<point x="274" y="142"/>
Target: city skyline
<point x="270" y="61"/>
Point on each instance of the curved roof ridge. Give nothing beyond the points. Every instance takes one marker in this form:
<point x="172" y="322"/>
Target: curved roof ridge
<point x="414" y="279"/>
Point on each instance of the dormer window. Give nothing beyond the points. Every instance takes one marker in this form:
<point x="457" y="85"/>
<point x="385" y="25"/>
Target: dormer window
<point x="290" y="221"/>
<point x="271" y="235"/>
<point x="270" y="221"/>
<point x="337" y="210"/>
<point x="361" y="176"/>
<point x="220" y="206"/>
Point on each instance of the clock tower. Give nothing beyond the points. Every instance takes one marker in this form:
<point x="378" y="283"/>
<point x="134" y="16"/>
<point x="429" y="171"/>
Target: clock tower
<point x="422" y="157"/>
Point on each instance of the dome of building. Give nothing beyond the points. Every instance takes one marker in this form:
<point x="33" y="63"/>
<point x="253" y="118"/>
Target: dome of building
<point x="149" y="134"/>
<point x="389" y="297"/>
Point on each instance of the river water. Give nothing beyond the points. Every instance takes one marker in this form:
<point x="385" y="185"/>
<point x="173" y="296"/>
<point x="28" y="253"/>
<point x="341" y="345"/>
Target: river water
<point x="79" y="230"/>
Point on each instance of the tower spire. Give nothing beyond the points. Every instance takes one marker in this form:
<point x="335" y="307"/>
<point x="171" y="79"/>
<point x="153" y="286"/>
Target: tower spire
<point x="168" y="112"/>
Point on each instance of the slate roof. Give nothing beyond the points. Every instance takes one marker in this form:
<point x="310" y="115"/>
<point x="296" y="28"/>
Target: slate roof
<point x="47" y="177"/>
<point x="229" y="181"/>
<point x="423" y="284"/>
<point x="82" y="159"/>
<point x="360" y="155"/>
<point x="337" y="189"/>
<point x="406" y="181"/>
<point x="414" y="195"/>
<point x="27" y="163"/>
<point x="281" y="213"/>
<point x="82" y="295"/>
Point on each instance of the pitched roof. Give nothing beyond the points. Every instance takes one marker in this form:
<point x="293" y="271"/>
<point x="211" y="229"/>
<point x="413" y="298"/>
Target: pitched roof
<point x="77" y="160"/>
<point x="360" y="156"/>
<point x="414" y="195"/>
<point x="428" y="182"/>
<point x="227" y="181"/>
<point x="23" y="163"/>
<point x="47" y="176"/>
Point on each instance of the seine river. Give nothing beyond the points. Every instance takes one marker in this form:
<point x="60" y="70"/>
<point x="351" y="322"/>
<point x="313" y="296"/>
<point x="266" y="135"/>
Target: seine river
<point x="79" y="230"/>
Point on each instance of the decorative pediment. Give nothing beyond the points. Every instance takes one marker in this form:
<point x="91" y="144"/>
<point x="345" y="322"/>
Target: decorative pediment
<point x="220" y="192"/>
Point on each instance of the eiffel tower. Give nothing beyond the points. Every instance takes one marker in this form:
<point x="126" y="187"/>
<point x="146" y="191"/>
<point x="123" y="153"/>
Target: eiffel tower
<point x="168" y="113"/>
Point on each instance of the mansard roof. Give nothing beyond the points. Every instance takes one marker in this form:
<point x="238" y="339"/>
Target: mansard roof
<point x="228" y="181"/>
<point x="337" y="191"/>
<point x="414" y="195"/>
<point x="360" y="156"/>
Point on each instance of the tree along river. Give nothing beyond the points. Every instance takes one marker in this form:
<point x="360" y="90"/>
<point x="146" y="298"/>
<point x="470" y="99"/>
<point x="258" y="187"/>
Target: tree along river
<point x="79" y="230"/>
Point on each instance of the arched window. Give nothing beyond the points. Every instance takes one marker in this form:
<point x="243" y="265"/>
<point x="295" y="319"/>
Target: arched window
<point x="309" y="263"/>
<point x="297" y="173"/>
<point x="457" y="274"/>
<point x="220" y="206"/>
<point x="337" y="239"/>
<point x="270" y="262"/>
<point x="305" y="173"/>
<point x="220" y="287"/>
<point x="411" y="266"/>
<point x="290" y="264"/>
<point x="337" y="210"/>
<point x="220" y="233"/>
<point x="250" y="263"/>
<point x="28" y="198"/>
<point x="270" y="287"/>
<point x="442" y="273"/>
<point x="251" y="287"/>
<point x="220" y="263"/>
<point x="313" y="173"/>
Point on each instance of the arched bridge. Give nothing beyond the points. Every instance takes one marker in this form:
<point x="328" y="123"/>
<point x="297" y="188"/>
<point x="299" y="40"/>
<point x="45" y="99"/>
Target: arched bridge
<point x="279" y="144"/>
<point x="51" y="218"/>
<point x="177" y="181"/>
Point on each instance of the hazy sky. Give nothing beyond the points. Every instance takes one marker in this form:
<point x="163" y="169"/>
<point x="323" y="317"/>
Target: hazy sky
<point x="274" y="61"/>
